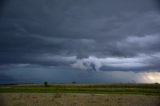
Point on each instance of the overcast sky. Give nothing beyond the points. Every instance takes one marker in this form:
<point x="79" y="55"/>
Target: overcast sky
<point x="87" y="41"/>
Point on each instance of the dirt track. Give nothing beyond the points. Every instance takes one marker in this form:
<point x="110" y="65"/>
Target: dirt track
<point x="48" y="99"/>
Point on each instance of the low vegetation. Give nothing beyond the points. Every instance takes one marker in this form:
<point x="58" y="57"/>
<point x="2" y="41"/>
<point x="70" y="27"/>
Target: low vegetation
<point x="141" y="89"/>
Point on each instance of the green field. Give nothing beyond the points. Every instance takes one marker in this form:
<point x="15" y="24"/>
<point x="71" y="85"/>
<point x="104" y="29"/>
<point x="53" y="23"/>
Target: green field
<point x="138" y="89"/>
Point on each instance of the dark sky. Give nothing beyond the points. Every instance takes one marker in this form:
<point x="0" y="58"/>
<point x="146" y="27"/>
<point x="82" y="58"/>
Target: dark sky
<point x="87" y="41"/>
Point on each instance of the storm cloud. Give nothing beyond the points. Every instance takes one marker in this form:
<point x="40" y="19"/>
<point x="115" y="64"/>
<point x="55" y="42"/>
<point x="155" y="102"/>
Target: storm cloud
<point x="85" y="35"/>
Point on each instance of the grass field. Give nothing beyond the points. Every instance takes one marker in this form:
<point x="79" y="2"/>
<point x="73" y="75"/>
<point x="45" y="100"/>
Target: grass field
<point x="80" y="95"/>
<point x="142" y="89"/>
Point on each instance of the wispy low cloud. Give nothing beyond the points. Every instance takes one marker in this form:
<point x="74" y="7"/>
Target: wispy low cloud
<point x="137" y="63"/>
<point x="141" y="62"/>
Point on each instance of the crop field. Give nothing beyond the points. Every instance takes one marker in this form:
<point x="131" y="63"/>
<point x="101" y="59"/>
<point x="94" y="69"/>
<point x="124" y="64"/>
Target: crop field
<point x="80" y="95"/>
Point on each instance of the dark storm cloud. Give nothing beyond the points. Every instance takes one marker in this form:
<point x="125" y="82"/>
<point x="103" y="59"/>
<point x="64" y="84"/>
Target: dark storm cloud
<point x="157" y="2"/>
<point x="2" y="5"/>
<point x="5" y="77"/>
<point x="98" y="35"/>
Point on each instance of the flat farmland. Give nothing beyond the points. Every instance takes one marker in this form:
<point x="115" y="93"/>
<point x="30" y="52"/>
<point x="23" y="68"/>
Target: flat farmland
<point x="80" y="95"/>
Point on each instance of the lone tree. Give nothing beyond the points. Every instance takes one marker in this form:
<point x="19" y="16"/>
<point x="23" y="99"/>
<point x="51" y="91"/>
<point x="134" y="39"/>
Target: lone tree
<point x="46" y="84"/>
<point x="73" y="82"/>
